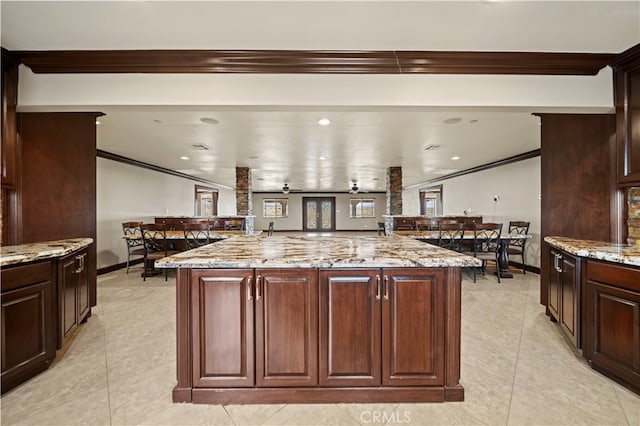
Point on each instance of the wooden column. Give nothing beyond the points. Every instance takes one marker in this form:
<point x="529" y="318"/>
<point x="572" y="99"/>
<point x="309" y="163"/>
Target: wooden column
<point x="394" y="190"/>
<point x="244" y="205"/>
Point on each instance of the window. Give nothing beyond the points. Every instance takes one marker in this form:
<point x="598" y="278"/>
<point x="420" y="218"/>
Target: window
<point x="206" y="202"/>
<point x="431" y="201"/>
<point x="362" y="207"/>
<point x="275" y="207"/>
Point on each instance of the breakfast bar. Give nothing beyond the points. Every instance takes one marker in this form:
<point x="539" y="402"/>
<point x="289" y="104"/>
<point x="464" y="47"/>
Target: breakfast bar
<point x="318" y="319"/>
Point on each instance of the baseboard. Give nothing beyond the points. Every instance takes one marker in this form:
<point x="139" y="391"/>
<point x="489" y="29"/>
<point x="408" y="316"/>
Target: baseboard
<point x="528" y="268"/>
<point x="117" y="266"/>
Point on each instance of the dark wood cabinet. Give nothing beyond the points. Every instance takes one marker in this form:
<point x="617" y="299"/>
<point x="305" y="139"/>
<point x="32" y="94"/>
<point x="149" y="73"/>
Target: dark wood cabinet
<point x="406" y="223"/>
<point x="286" y="318"/>
<point x="273" y="335"/>
<point x="564" y="285"/>
<point x="9" y="86"/>
<point x="350" y="327"/>
<point x="73" y="293"/>
<point x="223" y="328"/>
<point x="626" y="77"/>
<point x="577" y="201"/>
<point x="382" y="327"/>
<point x="612" y="321"/>
<point x="57" y="191"/>
<point x="28" y="321"/>
<point x="413" y="327"/>
<point x="277" y="308"/>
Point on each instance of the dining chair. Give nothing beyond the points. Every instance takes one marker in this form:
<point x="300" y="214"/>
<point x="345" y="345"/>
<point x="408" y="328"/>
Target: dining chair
<point x="486" y="245"/>
<point x="133" y="239"/>
<point x="517" y="247"/>
<point x="216" y="224"/>
<point x="450" y="236"/>
<point x="196" y="235"/>
<point x="270" y="229"/>
<point x="233" y="225"/>
<point x="156" y="246"/>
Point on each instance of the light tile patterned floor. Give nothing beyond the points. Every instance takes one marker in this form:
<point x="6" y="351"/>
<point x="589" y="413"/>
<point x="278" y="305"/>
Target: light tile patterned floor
<point x="516" y="368"/>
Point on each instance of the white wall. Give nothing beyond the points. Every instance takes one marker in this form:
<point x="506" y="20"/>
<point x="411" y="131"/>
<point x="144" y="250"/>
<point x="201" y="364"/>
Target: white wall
<point x="294" y="221"/>
<point x="126" y="193"/>
<point x="518" y="188"/>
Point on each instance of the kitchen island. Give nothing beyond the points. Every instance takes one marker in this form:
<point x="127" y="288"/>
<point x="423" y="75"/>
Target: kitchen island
<point x="318" y="319"/>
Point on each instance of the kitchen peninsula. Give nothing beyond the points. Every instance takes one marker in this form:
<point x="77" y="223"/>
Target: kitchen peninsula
<point x="318" y="319"/>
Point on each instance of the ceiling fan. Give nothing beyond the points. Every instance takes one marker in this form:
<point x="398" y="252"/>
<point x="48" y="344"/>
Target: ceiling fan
<point x="354" y="188"/>
<point x="286" y="189"/>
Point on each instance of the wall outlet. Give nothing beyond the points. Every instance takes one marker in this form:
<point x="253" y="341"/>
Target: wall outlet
<point x="496" y="198"/>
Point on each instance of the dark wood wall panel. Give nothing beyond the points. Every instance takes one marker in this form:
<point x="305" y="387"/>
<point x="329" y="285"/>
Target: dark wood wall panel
<point x="57" y="189"/>
<point x="578" y="180"/>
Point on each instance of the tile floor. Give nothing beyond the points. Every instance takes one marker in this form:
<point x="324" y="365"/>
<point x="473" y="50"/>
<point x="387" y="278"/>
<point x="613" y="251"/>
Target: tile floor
<point x="516" y="369"/>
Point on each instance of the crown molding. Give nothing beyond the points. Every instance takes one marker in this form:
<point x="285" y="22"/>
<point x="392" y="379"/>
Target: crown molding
<point x="313" y="62"/>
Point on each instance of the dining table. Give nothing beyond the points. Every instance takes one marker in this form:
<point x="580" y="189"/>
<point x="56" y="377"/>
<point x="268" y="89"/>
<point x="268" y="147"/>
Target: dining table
<point x="432" y="237"/>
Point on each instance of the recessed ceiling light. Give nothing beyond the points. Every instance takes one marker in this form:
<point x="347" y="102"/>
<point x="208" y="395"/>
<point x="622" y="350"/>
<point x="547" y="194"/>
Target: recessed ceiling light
<point x="260" y="178"/>
<point x="324" y="121"/>
<point x="376" y="178"/>
<point x="473" y="121"/>
<point x="455" y="157"/>
<point x="209" y="120"/>
<point x="322" y="158"/>
<point x="452" y="120"/>
<point x="431" y="147"/>
<point x="184" y="157"/>
<point x="98" y="122"/>
<point x="157" y="121"/>
<point x="253" y="157"/>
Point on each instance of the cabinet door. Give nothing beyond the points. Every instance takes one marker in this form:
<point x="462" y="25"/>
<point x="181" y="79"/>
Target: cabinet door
<point x="222" y="324"/>
<point x="413" y="327"/>
<point x="555" y="269"/>
<point x="350" y="329"/>
<point x="612" y="320"/>
<point x="570" y="289"/>
<point x="286" y="303"/>
<point x="67" y="303"/>
<point x="627" y="99"/>
<point x="83" y="295"/>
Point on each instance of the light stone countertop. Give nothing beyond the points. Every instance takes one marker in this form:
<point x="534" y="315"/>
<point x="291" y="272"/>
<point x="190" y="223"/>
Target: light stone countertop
<point x="611" y="252"/>
<point x="11" y="255"/>
<point x="318" y="252"/>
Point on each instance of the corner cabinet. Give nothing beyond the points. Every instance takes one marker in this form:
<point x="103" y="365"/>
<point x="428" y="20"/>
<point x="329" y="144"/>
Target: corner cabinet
<point x="626" y="78"/>
<point x="318" y="335"/>
<point x="612" y="321"/>
<point x="73" y="293"/>
<point x="564" y="293"/>
<point x="28" y="321"/>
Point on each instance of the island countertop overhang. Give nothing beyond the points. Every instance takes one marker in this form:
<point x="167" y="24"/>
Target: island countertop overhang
<point x="318" y="252"/>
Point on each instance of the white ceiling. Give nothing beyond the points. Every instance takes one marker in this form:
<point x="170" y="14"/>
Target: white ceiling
<point x="288" y="144"/>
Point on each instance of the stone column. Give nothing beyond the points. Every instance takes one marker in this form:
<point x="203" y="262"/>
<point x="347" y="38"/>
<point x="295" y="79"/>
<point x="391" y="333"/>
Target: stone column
<point x="244" y="202"/>
<point x="394" y="190"/>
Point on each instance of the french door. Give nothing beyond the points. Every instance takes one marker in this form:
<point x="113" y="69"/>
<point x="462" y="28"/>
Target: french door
<point x="319" y="214"/>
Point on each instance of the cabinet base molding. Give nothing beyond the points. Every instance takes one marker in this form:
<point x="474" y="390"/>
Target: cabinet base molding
<point x="318" y="395"/>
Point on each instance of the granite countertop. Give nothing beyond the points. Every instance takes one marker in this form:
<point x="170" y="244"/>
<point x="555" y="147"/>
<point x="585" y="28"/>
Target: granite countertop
<point x="317" y="252"/>
<point x="11" y="255"/>
<point x="611" y="252"/>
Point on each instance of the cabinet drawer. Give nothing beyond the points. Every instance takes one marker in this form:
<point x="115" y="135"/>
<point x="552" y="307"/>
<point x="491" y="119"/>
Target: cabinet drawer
<point x="22" y="275"/>
<point x="620" y="276"/>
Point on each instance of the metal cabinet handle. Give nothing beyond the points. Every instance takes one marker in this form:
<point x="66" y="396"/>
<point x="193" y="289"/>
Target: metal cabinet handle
<point x="377" y="287"/>
<point x="250" y="289"/>
<point x="80" y="259"/>
<point x="258" y="284"/>
<point x="386" y="287"/>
